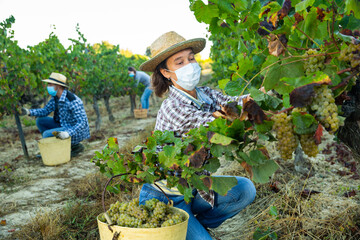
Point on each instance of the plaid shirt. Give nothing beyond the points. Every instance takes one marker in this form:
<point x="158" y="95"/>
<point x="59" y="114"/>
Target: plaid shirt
<point x="72" y="116"/>
<point x="180" y="112"/>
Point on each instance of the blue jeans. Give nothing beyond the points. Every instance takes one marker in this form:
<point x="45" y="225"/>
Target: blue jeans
<point x="145" y="98"/>
<point x="47" y="125"/>
<point x="202" y="215"/>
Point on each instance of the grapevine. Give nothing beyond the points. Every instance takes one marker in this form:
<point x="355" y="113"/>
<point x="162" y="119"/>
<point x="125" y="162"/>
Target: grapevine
<point x="151" y="215"/>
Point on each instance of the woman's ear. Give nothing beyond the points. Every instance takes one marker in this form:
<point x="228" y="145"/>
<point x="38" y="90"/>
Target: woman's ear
<point x="165" y="73"/>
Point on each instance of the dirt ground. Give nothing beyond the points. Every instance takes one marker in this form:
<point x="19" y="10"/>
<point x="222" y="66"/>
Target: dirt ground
<point x="31" y="186"/>
<point x="319" y="200"/>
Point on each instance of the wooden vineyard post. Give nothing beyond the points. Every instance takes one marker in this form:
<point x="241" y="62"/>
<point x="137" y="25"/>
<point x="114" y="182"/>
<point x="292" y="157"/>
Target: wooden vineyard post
<point x="21" y="135"/>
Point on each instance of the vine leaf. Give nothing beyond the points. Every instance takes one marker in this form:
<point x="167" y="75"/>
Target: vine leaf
<point x="262" y="172"/>
<point x="247" y="168"/>
<point x="198" y="157"/>
<point x="304" y="123"/>
<point x="277" y="45"/>
<point x="222" y="185"/>
<point x="284" y="11"/>
<point x="302" y="96"/>
<point x="254" y="112"/>
<point x="220" y="139"/>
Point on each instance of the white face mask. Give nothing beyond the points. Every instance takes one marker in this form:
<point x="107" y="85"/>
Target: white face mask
<point x="188" y="76"/>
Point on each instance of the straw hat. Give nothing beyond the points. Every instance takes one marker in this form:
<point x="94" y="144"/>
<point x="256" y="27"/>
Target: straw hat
<point x="167" y="45"/>
<point x="56" y="78"/>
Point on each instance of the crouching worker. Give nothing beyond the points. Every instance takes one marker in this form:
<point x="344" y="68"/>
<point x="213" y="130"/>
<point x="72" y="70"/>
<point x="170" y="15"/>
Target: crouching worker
<point x="69" y="114"/>
<point x="176" y="72"/>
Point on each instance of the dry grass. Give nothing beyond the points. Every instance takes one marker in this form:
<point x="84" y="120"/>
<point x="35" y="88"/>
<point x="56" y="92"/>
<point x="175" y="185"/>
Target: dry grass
<point x="45" y="225"/>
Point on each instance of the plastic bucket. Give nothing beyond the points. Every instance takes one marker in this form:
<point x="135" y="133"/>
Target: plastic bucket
<point x="140" y="113"/>
<point x="55" y="151"/>
<point x="175" y="232"/>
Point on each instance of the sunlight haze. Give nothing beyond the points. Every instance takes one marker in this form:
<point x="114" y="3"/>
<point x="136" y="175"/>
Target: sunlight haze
<point x="133" y="25"/>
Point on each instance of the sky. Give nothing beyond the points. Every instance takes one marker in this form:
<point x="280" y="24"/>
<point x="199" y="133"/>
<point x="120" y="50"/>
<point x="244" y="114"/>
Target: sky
<point x="131" y="24"/>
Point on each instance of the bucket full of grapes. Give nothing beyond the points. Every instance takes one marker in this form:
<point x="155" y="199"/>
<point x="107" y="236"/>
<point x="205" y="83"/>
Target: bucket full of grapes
<point x="154" y="220"/>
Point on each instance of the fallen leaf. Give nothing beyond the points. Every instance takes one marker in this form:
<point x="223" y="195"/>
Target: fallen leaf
<point x="306" y="193"/>
<point x="318" y="134"/>
<point x="3" y="223"/>
<point x="350" y="194"/>
<point x="274" y="186"/>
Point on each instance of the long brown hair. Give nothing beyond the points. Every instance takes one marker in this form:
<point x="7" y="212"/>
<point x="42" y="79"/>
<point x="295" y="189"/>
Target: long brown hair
<point x="160" y="84"/>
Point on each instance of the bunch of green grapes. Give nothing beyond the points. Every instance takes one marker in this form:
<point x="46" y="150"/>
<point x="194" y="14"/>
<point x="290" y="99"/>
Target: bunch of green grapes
<point x="151" y="215"/>
<point x="325" y="108"/>
<point x="315" y="63"/>
<point x="351" y="54"/>
<point x="287" y="141"/>
<point x="308" y="145"/>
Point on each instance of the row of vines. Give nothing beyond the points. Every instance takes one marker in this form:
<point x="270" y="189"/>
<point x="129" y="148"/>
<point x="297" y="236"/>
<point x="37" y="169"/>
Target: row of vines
<point x="94" y="72"/>
<point x="304" y="53"/>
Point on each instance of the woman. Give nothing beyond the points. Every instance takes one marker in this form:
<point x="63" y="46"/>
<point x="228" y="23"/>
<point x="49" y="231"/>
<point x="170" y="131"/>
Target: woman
<point x="176" y="71"/>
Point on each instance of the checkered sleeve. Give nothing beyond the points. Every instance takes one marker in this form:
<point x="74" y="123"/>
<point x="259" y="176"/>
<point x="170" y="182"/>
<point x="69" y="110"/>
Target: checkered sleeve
<point x="43" y="112"/>
<point x="78" y="112"/>
<point x="170" y="118"/>
<point x="222" y="99"/>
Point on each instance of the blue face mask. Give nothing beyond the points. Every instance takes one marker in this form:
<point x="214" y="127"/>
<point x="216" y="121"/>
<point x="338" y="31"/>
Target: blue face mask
<point x="131" y="74"/>
<point x="51" y="90"/>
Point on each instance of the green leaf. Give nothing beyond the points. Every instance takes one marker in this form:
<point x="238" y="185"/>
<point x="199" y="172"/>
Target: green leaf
<point x="304" y="123"/>
<point x="350" y="22"/>
<point x="303" y="5"/>
<point x="236" y="130"/>
<point x="221" y="139"/>
<point x="213" y="164"/>
<point x="311" y="23"/>
<point x="256" y="158"/>
<point x="289" y="68"/>
<point x="273" y="211"/>
<point x="204" y="13"/>
<point x="222" y="185"/>
<point x="222" y="83"/>
<point x="245" y="64"/>
<point x="264" y="235"/>
<point x="233" y="88"/>
<point x="112" y="144"/>
<point x="265" y="127"/>
<point x="148" y="177"/>
<point x="219" y="150"/>
<point x="353" y="6"/>
<point x="218" y="125"/>
<point x="265" y="101"/>
<point x="198" y="183"/>
<point x="263" y="171"/>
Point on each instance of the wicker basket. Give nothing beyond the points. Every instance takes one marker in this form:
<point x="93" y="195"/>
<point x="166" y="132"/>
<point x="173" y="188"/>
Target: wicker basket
<point x="140" y="113"/>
